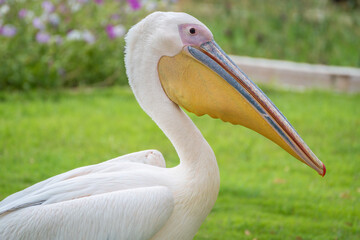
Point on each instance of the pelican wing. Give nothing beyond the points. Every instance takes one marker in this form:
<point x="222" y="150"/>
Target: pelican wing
<point x="128" y="214"/>
<point x="86" y="181"/>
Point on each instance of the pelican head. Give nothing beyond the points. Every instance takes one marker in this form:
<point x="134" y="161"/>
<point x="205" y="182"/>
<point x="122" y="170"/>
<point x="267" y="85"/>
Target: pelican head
<point x="189" y="68"/>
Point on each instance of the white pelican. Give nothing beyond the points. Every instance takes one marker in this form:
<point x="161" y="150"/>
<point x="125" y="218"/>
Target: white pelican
<point x="171" y="61"/>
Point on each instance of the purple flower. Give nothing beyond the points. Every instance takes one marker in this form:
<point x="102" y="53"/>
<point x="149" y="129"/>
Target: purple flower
<point x="2" y="1"/>
<point x="42" y="37"/>
<point x="115" y="17"/>
<point x="99" y="2"/>
<point x="110" y="31"/>
<point x="48" y="6"/>
<point x="63" y="8"/>
<point x="4" y="9"/>
<point x="74" y="35"/>
<point x="115" y="31"/>
<point x="22" y="13"/>
<point x="77" y="35"/>
<point x="54" y="19"/>
<point x="38" y="23"/>
<point x="7" y="30"/>
<point x="58" y="40"/>
<point x="74" y="6"/>
<point x="88" y="37"/>
<point x="134" y="4"/>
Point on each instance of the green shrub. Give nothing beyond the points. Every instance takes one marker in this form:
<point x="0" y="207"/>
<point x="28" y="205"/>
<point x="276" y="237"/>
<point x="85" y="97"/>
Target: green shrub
<point x="66" y="43"/>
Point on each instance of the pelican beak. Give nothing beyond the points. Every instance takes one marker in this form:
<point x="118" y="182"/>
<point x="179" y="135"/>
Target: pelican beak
<point x="204" y="80"/>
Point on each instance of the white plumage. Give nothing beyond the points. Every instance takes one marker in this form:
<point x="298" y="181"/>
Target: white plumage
<point x="135" y="196"/>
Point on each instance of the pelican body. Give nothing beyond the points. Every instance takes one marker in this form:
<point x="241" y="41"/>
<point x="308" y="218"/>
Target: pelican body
<point x="172" y="61"/>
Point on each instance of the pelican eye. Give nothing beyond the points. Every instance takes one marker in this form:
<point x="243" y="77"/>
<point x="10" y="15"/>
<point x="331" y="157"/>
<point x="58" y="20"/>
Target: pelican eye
<point x="192" y="30"/>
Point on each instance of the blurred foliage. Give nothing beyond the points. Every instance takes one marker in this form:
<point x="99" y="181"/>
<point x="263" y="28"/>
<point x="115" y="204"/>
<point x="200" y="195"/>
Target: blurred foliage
<point x="324" y="31"/>
<point x="30" y="65"/>
<point x="314" y="31"/>
<point x="27" y="63"/>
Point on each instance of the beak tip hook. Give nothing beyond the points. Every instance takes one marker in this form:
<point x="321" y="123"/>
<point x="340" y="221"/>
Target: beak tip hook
<point x="324" y="170"/>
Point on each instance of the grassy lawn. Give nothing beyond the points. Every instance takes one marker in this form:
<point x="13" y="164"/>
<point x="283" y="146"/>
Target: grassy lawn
<point x="265" y="193"/>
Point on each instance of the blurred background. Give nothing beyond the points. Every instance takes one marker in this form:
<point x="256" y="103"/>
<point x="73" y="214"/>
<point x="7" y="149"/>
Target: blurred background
<point x="68" y="43"/>
<point x="65" y="103"/>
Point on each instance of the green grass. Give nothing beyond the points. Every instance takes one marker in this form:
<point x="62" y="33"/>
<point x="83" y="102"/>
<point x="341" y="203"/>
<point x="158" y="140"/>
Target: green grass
<point x="265" y="193"/>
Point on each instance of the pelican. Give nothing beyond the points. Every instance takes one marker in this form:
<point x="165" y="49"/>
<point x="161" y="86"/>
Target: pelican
<point x="172" y="61"/>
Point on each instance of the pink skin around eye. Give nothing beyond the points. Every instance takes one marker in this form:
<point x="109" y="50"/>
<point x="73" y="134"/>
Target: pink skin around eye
<point x="200" y="36"/>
